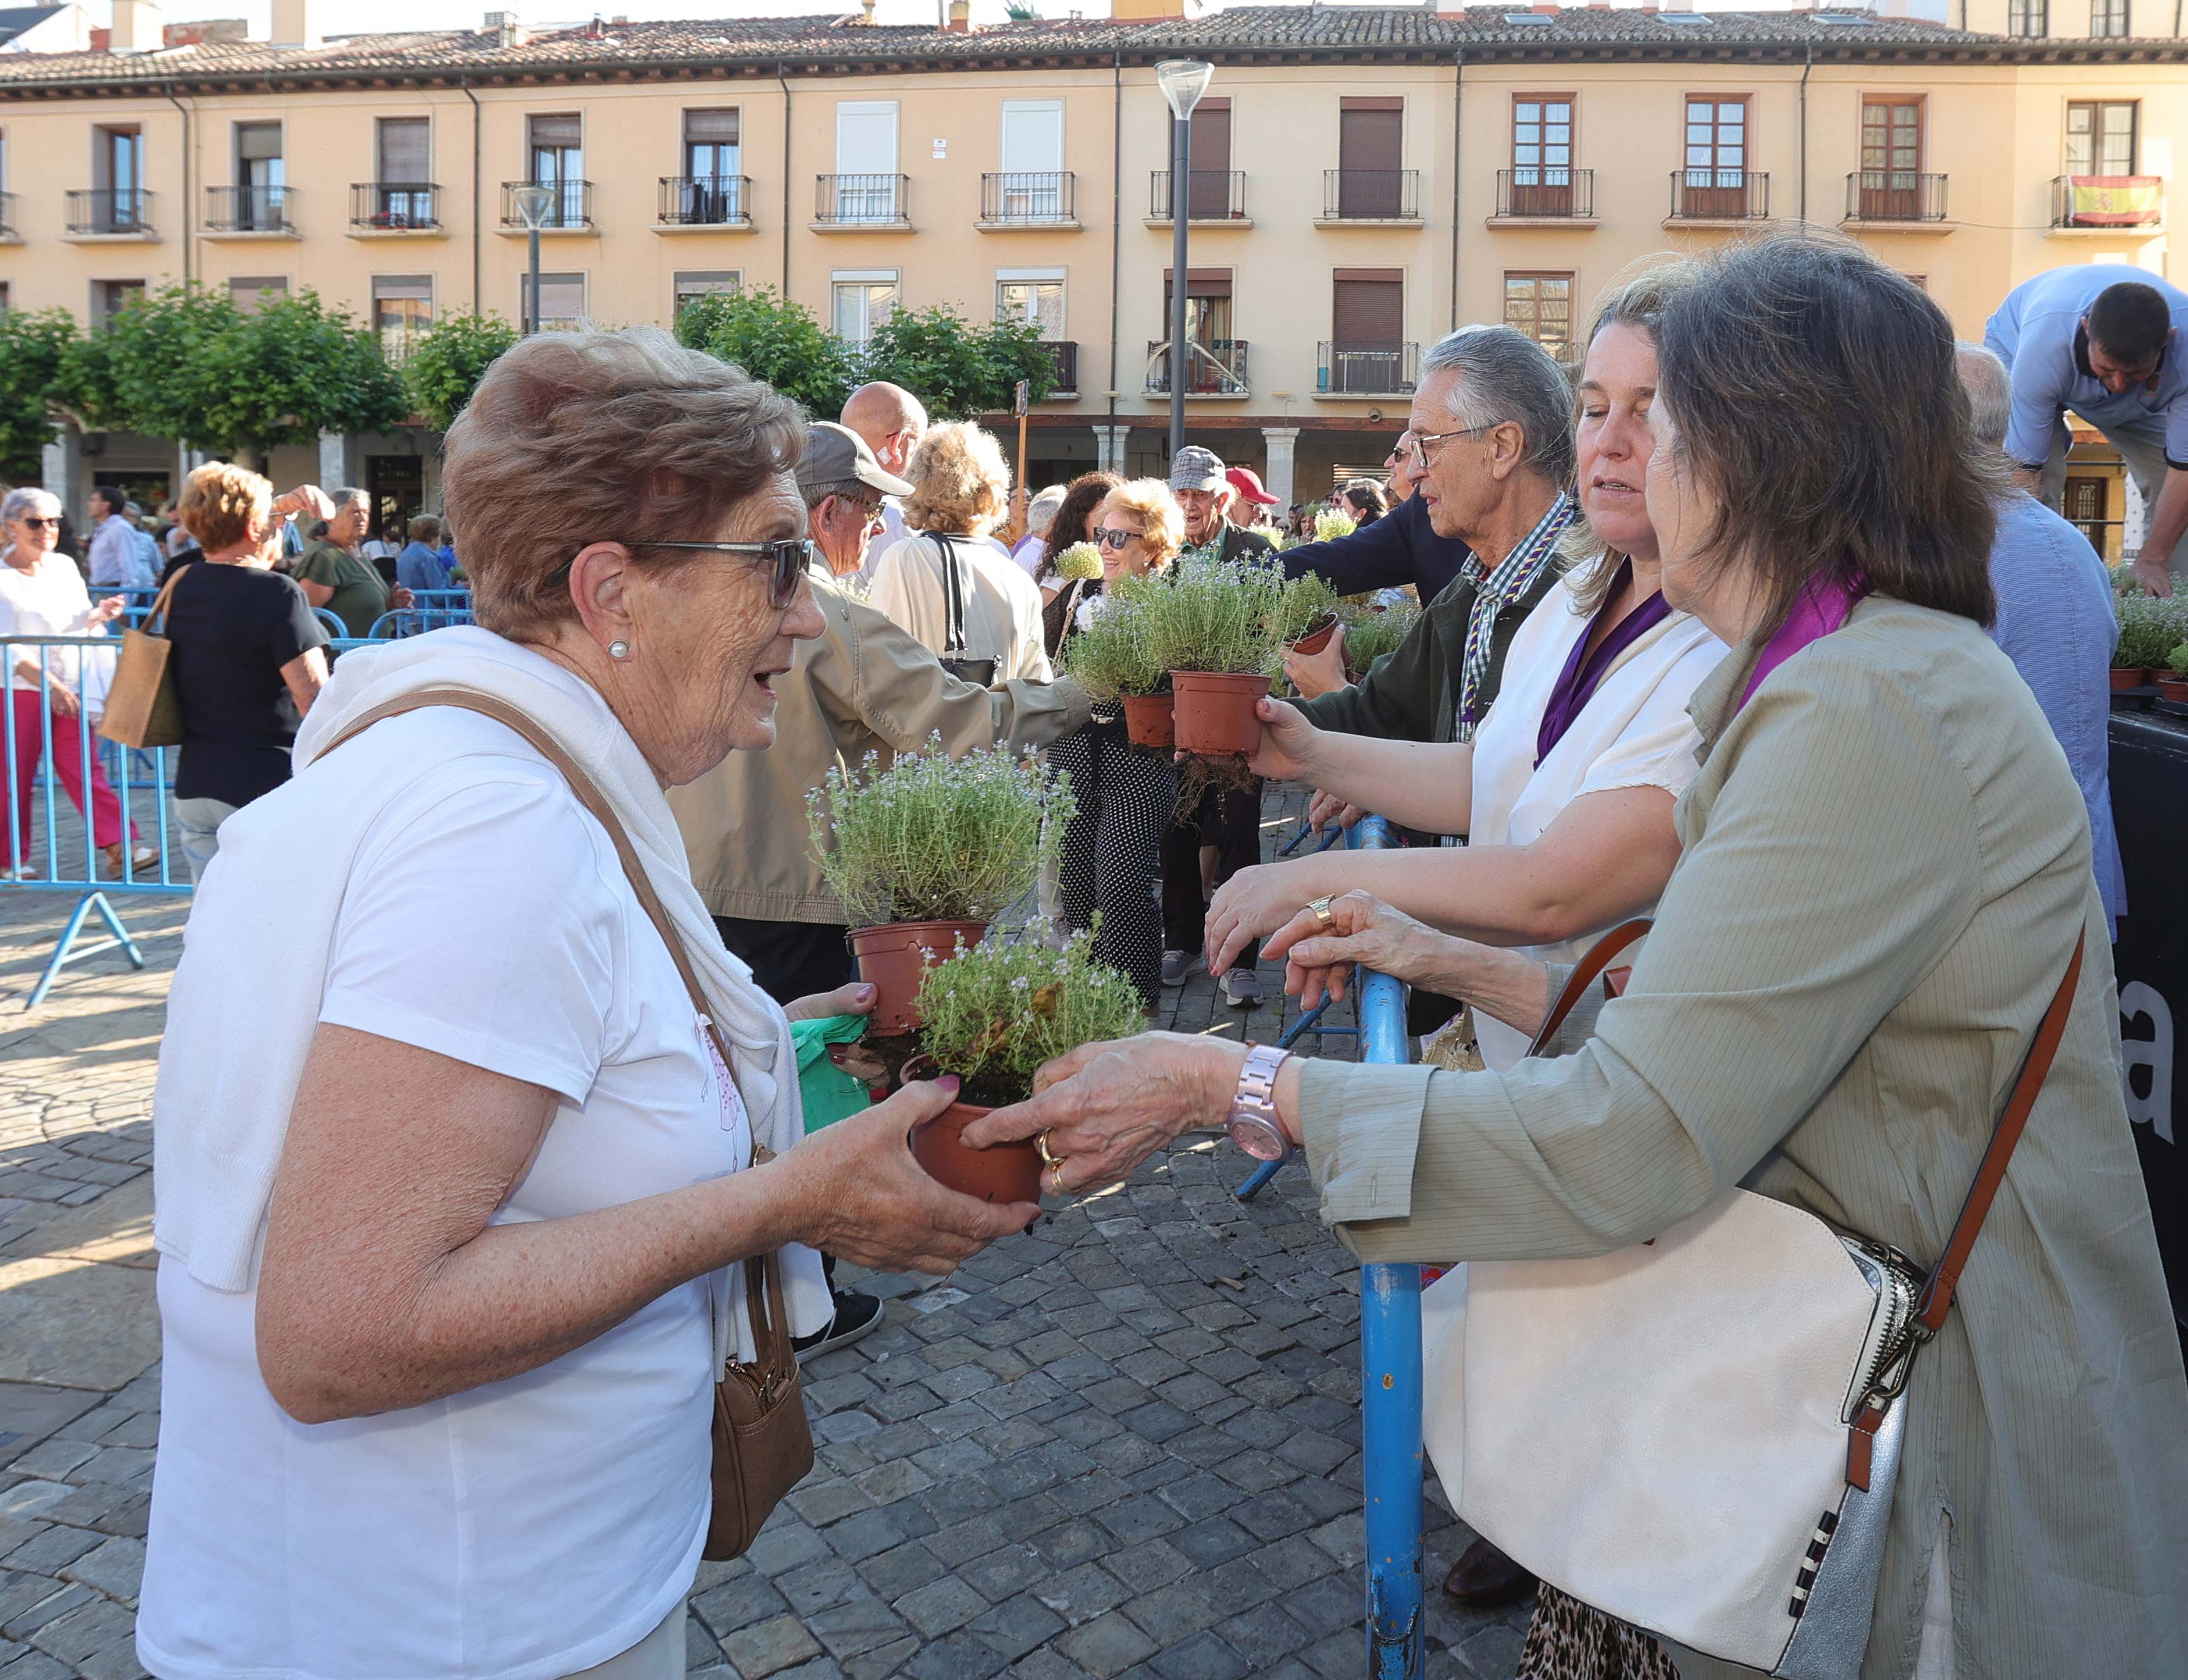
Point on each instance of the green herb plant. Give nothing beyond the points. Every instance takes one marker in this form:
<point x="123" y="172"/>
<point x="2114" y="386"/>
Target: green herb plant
<point x="994" y="1012"/>
<point x="1301" y="603"/>
<point x="1117" y="653"/>
<point x="931" y="838"/>
<point x="1079" y="563"/>
<point x="2148" y="630"/>
<point x="1210" y="615"/>
<point x="1369" y="634"/>
<point x="1329" y="524"/>
<point x="2177" y="661"/>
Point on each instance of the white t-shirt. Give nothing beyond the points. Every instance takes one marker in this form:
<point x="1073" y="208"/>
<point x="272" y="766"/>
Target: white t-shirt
<point x="1633" y="732"/>
<point x="537" y="1526"/>
<point x="50" y="600"/>
<point x="895" y="531"/>
<point x="1002" y="605"/>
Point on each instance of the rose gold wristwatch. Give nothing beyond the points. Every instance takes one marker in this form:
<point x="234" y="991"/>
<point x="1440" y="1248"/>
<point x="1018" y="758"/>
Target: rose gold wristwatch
<point x="1253" y="1125"/>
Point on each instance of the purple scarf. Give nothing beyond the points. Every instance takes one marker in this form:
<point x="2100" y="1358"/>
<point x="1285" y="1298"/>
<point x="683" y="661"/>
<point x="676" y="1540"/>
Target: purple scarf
<point x="1584" y="670"/>
<point x="1822" y="607"/>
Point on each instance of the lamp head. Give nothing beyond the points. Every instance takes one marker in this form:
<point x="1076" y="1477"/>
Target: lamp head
<point x="532" y="203"/>
<point x="1182" y="81"/>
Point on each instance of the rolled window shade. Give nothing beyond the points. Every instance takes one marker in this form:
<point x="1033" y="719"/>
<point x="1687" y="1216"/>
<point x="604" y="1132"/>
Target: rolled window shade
<point x="256" y="142"/>
<point x="387" y="286"/>
<point x="561" y="129"/>
<point x="717" y="126"/>
<point x="405" y="150"/>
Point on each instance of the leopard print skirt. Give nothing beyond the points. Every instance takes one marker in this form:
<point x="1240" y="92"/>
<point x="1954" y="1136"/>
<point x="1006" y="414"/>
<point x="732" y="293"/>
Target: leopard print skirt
<point x="1568" y="1641"/>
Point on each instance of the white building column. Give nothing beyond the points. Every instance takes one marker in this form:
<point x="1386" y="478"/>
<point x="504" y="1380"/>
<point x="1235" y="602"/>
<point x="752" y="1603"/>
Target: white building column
<point x="1109" y="447"/>
<point x="337" y="461"/>
<point x="2137" y="522"/>
<point x="60" y="469"/>
<point x="1284" y="444"/>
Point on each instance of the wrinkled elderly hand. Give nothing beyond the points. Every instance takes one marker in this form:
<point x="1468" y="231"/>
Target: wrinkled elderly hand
<point x="1107" y="1107"/>
<point x="308" y="499"/>
<point x="106" y="612"/>
<point x="1289" y="744"/>
<point x="1324" y="809"/>
<point x="854" y="997"/>
<point x="1318" y="673"/>
<point x="1252" y="905"/>
<point x="1361" y="929"/>
<point x="863" y="1198"/>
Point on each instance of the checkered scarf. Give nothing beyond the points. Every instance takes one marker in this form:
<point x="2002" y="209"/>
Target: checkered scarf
<point x="1494" y="591"/>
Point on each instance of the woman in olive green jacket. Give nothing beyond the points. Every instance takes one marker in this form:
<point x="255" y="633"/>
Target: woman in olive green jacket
<point x="1886" y="867"/>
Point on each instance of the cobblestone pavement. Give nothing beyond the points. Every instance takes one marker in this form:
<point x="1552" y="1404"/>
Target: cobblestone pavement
<point x="1126" y="1444"/>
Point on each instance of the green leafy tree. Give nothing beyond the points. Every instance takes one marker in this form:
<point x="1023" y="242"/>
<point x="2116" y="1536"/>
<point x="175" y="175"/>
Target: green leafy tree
<point x="447" y="364"/>
<point x="776" y="340"/>
<point x="34" y="344"/>
<point x="957" y="370"/>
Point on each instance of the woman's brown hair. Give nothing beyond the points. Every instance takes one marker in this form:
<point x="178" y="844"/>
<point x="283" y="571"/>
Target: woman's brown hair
<point x="1814" y="391"/>
<point x="1069" y="525"/>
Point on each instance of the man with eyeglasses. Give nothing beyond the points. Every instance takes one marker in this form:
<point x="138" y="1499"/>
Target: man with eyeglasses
<point x="1401" y="548"/>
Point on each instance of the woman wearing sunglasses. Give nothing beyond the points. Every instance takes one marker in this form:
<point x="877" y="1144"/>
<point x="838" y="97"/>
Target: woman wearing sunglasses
<point x="1125" y="793"/>
<point x="457" y="1167"/>
<point x="42" y="594"/>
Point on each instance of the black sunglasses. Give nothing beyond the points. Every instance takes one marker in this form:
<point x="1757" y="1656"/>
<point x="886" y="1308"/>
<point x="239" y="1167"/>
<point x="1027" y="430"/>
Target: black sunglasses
<point x="38" y="522"/>
<point x="784" y="559"/>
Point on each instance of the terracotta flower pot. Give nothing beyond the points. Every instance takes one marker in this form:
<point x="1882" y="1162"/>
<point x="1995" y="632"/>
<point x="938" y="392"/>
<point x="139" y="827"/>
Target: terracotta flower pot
<point x="1318" y="638"/>
<point x="1009" y="1172"/>
<point x="894" y="959"/>
<point x="1215" y="715"/>
<point x="2127" y="676"/>
<point x="2173" y="688"/>
<point x="1148" y="720"/>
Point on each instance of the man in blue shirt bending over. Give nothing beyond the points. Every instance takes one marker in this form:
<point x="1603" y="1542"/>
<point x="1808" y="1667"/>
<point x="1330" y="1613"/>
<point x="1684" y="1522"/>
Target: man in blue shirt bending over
<point x="2103" y="339"/>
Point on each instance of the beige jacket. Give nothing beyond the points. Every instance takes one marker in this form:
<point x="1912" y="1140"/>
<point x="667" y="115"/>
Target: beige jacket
<point x="1886" y="864"/>
<point x="863" y="685"/>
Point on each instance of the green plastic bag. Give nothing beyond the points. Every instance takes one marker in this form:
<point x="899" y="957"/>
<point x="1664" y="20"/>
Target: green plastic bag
<point x="829" y="1093"/>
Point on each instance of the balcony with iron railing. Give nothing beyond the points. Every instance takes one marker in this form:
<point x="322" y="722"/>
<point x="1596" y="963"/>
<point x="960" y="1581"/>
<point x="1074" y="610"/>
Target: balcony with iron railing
<point x="569" y="207"/>
<point x="1367" y="368"/>
<point x="1039" y="198"/>
<point x="868" y="201"/>
<point x="1541" y="193"/>
<point x="2107" y="204"/>
<point x="1064" y="353"/>
<point x="251" y="209"/>
<point x="111" y="212"/>
<point x="1719" y="196"/>
<point x="396" y="343"/>
<point x="706" y="201"/>
<point x="1896" y="198"/>
<point x="1214" y="367"/>
<point x="9" y="232"/>
<point x="394" y="207"/>
<point x="1215" y="197"/>
<point x="1370" y="196"/>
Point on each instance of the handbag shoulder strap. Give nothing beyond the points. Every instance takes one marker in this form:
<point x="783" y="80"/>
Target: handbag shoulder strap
<point x="159" y="611"/>
<point x="1590" y="969"/>
<point x="953" y="599"/>
<point x="1936" y="1298"/>
<point x="765" y="1335"/>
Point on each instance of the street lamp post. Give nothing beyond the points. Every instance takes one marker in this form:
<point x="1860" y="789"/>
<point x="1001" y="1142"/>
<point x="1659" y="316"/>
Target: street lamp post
<point x="532" y="203"/>
<point x="1182" y="81"/>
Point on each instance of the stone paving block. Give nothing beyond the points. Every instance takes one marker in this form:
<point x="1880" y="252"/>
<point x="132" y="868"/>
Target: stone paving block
<point x="49" y="1553"/>
<point x="1171" y="1615"/>
<point x="769" y="1647"/>
<point x="1045" y="1664"/>
<point x="117" y="1661"/>
<point x="820" y="1585"/>
<point x="783" y="1544"/>
<point x="1106" y="1646"/>
<point x="1213" y="1541"/>
<point x="1144" y="1568"/>
<point x="854" y="1627"/>
<point x="865" y="1534"/>
<point x="36" y="1666"/>
<point x="940" y="1607"/>
<point x="1205" y="1656"/>
<point x="883" y="1661"/>
<point x="958" y="1656"/>
<point x="737" y="1603"/>
<point x="89" y="1627"/>
<point x="1493" y="1653"/>
<point x="901" y="1569"/>
<point x="1080" y="1594"/>
<point x="53" y="1459"/>
<point x="1016" y="1625"/>
<point x="34" y="1498"/>
<point x="1003" y="1572"/>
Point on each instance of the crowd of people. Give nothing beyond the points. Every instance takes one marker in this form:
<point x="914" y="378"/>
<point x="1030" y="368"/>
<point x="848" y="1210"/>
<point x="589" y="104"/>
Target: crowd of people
<point x="1753" y="622"/>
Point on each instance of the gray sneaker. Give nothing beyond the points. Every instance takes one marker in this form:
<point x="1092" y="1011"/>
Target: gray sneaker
<point x="1241" y="988"/>
<point x="1176" y="966"/>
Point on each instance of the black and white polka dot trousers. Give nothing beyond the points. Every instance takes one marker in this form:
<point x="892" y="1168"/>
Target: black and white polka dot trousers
<point x="1111" y="851"/>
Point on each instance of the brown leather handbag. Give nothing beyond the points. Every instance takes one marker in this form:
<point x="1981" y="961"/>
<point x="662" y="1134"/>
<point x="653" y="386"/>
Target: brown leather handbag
<point x="763" y="1443"/>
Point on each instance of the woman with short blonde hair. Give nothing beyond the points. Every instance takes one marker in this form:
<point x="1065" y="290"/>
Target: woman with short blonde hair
<point x="457" y="1169"/>
<point x="222" y="503"/>
<point x="955" y="590"/>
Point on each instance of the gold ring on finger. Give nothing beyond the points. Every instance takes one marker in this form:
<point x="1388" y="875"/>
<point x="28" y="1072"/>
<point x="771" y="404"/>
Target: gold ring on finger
<point x="1322" y="916"/>
<point x="1049" y="1158"/>
<point x="1056" y="1178"/>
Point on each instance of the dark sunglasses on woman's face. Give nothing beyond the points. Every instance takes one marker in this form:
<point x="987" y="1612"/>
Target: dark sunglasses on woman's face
<point x="784" y="559"/>
<point x="40" y="523"/>
<point x="1116" y="539"/>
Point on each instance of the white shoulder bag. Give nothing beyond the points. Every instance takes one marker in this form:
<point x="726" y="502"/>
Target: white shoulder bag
<point x="1698" y="1435"/>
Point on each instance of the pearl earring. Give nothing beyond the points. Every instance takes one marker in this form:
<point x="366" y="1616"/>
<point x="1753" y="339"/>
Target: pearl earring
<point x="619" y="649"/>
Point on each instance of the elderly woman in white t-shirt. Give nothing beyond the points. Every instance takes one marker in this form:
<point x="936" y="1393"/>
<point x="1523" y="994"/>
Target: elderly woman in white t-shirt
<point x="452" y="1212"/>
<point x="1565" y="791"/>
<point x="954" y="588"/>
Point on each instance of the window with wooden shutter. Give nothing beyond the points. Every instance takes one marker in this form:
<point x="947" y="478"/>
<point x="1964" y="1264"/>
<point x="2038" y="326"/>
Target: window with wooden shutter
<point x="1207" y="304"/>
<point x="711" y="145"/>
<point x="1540" y="305"/>
<point x="1367" y="329"/>
<point x="1715" y="181"/>
<point x="1371" y="136"/>
<point x="406" y="151"/>
<point x="1208" y="161"/>
<point x="1542" y="155"/>
<point x="1891" y="159"/>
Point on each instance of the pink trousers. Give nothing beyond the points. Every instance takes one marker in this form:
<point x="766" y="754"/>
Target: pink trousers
<point x="68" y="768"/>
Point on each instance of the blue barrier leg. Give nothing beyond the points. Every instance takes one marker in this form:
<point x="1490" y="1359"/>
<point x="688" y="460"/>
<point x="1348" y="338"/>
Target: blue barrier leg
<point x="1292" y="844"/>
<point x="1257" y="1180"/>
<point x="66" y="950"/>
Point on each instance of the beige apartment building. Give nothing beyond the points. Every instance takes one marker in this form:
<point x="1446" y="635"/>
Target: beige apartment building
<point x="1361" y="180"/>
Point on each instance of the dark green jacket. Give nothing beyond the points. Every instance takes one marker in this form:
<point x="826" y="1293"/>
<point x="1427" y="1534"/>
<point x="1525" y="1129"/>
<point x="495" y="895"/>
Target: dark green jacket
<point x="1412" y="692"/>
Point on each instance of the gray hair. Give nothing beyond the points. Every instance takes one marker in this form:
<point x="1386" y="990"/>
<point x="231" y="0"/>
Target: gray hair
<point x="1504" y="375"/>
<point x="342" y="499"/>
<point x="28" y="498"/>
<point x="1041" y="511"/>
<point x="850" y="489"/>
<point x="1990" y="392"/>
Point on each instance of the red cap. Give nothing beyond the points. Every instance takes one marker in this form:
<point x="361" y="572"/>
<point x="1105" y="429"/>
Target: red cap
<point x="1247" y="483"/>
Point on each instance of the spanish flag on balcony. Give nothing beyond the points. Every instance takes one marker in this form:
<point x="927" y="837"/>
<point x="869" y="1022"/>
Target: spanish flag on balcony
<point x="2115" y="201"/>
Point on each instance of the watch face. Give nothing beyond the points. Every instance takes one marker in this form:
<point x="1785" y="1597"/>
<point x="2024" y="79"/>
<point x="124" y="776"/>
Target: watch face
<point x="1258" y="1138"/>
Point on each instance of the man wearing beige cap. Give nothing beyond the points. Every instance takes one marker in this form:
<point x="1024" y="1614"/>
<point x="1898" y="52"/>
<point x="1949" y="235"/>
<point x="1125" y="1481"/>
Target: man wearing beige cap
<point x="1197" y="480"/>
